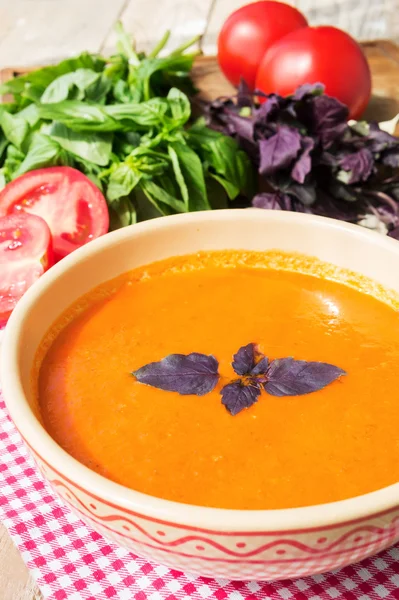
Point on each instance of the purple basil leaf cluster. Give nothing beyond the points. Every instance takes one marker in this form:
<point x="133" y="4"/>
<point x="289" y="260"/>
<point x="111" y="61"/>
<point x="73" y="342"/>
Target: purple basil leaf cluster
<point x="242" y="393"/>
<point x="280" y="377"/>
<point x="193" y="373"/>
<point x="197" y="374"/>
<point x="310" y="160"/>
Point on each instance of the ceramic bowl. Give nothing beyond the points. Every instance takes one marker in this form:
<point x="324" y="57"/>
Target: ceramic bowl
<point x="234" y="544"/>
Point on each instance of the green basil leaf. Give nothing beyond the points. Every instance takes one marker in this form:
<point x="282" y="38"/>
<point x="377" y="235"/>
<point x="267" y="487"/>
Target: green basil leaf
<point x="32" y="93"/>
<point x="230" y="188"/>
<point x="125" y="143"/>
<point x="121" y="182"/>
<point x="146" y="114"/>
<point x="15" y="128"/>
<point x="147" y="207"/>
<point x="229" y="165"/>
<point x="79" y="116"/>
<point x="98" y="90"/>
<point x="96" y="180"/>
<point x="245" y="175"/>
<point x="122" y="214"/>
<point x="157" y="194"/>
<point x="91" y="170"/>
<point x="41" y="78"/>
<point x="61" y="88"/>
<point x="178" y="174"/>
<point x="201" y="135"/>
<point x="217" y="199"/>
<point x="14" y="158"/>
<point x="179" y="106"/>
<point x="149" y="66"/>
<point x="30" y="114"/>
<point x="93" y="147"/>
<point x="43" y="152"/>
<point x="121" y="91"/>
<point x="124" y="44"/>
<point x="192" y="171"/>
<point x="3" y="179"/>
<point x="3" y="143"/>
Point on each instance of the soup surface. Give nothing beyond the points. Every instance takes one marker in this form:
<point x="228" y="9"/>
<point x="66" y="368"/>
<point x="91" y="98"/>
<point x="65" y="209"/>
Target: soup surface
<point x="281" y="452"/>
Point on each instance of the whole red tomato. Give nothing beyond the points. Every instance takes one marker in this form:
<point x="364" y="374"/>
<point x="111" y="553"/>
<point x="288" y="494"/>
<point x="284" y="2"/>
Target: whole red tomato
<point x="320" y="54"/>
<point x="249" y="32"/>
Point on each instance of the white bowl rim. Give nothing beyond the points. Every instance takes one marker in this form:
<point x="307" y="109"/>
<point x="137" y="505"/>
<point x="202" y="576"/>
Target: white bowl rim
<point x="295" y="520"/>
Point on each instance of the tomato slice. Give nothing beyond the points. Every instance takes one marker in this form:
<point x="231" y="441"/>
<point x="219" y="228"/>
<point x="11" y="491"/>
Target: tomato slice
<point x="25" y="254"/>
<point x="72" y="206"/>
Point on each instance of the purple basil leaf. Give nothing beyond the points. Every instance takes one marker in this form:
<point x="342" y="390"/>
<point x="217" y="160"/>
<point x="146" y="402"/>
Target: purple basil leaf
<point x="328" y="206"/>
<point x="243" y="126"/>
<point x="183" y="373"/>
<point x="290" y="377"/>
<point x="303" y="164"/>
<point x="236" y="396"/>
<point x="394" y="233"/>
<point x="261" y="367"/>
<point x="327" y="159"/>
<point x="360" y="165"/>
<point x="385" y="207"/>
<point x="341" y="191"/>
<point x="269" y="109"/>
<point x="304" y="193"/>
<point x="381" y="140"/>
<point x="245" y="359"/>
<point x="391" y="158"/>
<point x="308" y="89"/>
<point x="272" y="201"/>
<point x="278" y="151"/>
<point x="297" y="206"/>
<point x="244" y="96"/>
<point x="329" y="118"/>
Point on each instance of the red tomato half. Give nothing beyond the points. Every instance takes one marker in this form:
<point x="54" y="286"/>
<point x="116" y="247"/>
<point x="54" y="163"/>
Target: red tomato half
<point x="72" y="206"/>
<point x="25" y="254"/>
<point x="249" y="32"/>
<point x="320" y="54"/>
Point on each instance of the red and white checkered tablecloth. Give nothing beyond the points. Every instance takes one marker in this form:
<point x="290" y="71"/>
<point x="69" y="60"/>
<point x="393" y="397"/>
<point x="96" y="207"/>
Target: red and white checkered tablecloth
<point x="70" y="561"/>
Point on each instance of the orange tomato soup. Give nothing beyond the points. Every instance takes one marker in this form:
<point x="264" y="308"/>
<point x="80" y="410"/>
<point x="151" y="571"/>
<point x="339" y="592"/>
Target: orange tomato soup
<point x="284" y="452"/>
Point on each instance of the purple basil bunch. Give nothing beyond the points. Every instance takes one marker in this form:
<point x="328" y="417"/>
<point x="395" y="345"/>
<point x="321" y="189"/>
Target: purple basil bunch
<point x="309" y="158"/>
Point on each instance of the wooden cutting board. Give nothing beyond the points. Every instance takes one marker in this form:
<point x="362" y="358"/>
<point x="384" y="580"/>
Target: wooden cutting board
<point x="383" y="57"/>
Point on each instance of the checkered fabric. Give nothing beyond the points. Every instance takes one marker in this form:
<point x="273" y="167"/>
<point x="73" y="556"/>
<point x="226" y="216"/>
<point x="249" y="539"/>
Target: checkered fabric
<point x="70" y="561"/>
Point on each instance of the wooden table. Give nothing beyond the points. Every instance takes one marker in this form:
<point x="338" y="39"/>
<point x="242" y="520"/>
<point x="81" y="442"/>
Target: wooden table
<point x="34" y="32"/>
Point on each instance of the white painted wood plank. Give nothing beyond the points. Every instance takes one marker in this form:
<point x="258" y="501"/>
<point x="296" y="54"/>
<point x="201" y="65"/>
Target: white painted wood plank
<point x="15" y="580"/>
<point x="147" y="21"/>
<point x="43" y="31"/>
<point x="363" y="19"/>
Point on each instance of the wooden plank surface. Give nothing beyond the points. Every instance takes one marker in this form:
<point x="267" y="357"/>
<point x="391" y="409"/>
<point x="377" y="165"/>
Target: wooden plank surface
<point x="36" y="32"/>
<point x="44" y="31"/>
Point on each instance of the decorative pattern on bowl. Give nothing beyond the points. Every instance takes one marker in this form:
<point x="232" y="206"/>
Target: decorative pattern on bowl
<point x="258" y="555"/>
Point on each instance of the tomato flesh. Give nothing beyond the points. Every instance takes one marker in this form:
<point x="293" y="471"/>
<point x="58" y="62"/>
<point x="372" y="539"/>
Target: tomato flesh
<point x="249" y="32"/>
<point x="72" y="206"/>
<point x="318" y="55"/>
<point x="25" y="254"/>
